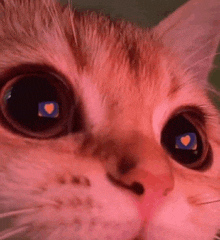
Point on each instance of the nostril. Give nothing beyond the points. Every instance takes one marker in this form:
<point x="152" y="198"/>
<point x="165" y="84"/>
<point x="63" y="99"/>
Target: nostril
<point x="135" y="187"/>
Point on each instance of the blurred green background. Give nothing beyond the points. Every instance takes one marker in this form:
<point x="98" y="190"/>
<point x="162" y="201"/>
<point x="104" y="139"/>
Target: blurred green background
<point x="145" y="13"/>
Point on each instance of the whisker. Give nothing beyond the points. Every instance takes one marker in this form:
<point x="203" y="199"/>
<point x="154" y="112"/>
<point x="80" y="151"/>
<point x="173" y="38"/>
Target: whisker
<point x="12" y="232"/>
<point x="17" y="212"/>
<point x="202" y="203"/>
<point x="210" y="198"/>
<point x="37" y="201"/>
<point x="44" y="201"/>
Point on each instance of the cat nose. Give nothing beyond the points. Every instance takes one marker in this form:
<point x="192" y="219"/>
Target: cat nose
<point x="156" y="189"/>
<point x="157" y="185"/>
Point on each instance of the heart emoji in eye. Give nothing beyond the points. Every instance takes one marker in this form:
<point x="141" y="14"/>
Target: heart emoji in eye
<point x="185" y="140"/>
<point x="49" y="108"/>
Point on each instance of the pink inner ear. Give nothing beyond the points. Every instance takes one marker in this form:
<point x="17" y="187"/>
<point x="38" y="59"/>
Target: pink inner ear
<point x="156" y="188"/>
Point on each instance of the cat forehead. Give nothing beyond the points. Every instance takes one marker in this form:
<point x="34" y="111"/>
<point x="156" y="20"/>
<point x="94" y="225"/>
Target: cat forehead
<point x="83" y="46"/>
<point x="113" y="65"/>
<point x="43" y="31"/>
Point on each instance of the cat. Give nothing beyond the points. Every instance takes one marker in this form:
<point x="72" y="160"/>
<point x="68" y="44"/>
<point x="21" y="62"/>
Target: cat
<point x="107" y="130"/>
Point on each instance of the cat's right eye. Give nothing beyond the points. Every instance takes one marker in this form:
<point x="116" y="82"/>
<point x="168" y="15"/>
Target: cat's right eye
<point x="186" y="142"/>
<point x="37" y="104"/>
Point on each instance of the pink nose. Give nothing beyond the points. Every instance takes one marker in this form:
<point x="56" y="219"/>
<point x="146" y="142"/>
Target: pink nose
<point x="156" y="190"/>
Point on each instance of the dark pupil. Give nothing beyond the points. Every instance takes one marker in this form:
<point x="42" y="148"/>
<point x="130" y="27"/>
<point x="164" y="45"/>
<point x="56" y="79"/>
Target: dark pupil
<point x="182" y="140"/>
<point x="34" y="103"/>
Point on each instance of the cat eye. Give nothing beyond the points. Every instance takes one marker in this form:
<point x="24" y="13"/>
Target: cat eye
<point x="37" y="104"/>
<point x="185" y="140"/>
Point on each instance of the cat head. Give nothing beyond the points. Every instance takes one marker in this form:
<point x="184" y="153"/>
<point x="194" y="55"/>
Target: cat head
<point x="107" y="130"/>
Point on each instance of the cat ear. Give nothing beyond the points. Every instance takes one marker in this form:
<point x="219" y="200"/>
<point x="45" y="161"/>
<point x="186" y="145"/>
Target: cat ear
<point x="193" y="33"/>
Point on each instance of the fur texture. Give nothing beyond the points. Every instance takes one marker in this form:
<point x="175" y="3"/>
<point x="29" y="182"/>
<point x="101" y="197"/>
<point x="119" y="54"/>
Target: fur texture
<point x="129" y="81"/>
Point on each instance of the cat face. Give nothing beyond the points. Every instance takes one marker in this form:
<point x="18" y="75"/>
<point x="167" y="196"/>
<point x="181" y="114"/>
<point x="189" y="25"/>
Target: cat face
<point x="107" y="130"/>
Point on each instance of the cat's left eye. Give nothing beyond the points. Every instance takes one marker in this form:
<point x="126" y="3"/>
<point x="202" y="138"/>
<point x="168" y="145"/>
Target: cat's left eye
<point x="186" y="141"/>
<point x="37" y="104"/>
